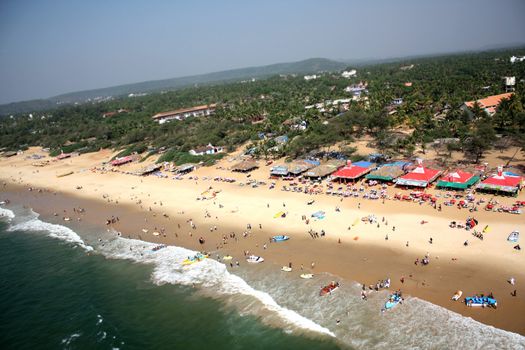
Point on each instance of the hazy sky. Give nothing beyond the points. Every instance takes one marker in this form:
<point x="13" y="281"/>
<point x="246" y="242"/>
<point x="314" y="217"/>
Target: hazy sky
<point x="53" y="47"/>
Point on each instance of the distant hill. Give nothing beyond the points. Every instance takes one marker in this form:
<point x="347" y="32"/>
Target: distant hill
<point x="301" y="67"/>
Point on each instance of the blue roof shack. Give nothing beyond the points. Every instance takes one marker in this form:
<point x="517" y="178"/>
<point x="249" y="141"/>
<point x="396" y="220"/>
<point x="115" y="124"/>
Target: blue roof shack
<point x="364" y="164"/>
<point x="281" y="139"/>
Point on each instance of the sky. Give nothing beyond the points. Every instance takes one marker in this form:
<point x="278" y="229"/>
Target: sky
<point x="50" y="47"/>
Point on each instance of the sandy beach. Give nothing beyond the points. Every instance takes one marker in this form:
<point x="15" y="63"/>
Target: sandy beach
<point x="163" y="210"/>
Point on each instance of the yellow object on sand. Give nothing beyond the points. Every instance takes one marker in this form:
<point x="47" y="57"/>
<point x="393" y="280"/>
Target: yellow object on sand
<point x="356" y="221"/>
<point x="278" y="215"/>
<point x="227" y="257"/>
<point x="486" y="229"/>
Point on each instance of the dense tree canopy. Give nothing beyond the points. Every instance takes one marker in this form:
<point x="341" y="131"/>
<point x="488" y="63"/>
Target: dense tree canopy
<point x="432" y="89"/>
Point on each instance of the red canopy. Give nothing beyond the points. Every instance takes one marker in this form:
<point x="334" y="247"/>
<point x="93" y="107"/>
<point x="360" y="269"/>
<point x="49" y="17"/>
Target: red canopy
<point x="123" y="160"/>
<point x="351" y="172"/>
<point x="457" y="176"/>
<point x="502" y="180"/>
<point x="421" y="174"/>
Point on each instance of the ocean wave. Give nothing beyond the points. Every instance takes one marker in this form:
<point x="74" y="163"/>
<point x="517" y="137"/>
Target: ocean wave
<point x="6" y="213"/>
<point x="416" y="324"/>
<point x="52" y="230"/>
<point x="209" y="274"/>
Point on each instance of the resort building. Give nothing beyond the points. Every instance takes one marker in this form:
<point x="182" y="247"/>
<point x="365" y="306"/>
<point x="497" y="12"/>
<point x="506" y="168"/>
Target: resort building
<point x="209" y="149"/>
<point x="181" y="114"/>
<point x="349" y="74"/>
<point x="488" y="104"/>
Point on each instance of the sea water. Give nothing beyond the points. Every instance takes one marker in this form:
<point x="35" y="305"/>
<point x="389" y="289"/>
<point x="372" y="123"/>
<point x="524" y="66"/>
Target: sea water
<point x="94" y="290"/>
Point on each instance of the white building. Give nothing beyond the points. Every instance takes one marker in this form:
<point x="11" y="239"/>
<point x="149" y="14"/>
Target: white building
<point x="311" y="77"/>
<point x="209" y="149"/>
<point x="515" y="59"/>
<point x="349" y="74"/>
<point x="181" y="114"/>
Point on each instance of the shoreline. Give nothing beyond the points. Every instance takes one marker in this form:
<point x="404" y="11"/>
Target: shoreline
<point x="361" y="263"/>
<point x="363" y="255"/>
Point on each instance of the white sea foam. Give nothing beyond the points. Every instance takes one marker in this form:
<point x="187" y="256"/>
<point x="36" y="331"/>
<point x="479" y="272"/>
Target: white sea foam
<point x="67" y="340"/>
<point x="52" y="230"/>
<point x="209" y="274"/>
<point x="6" y="213"/>
<point x="416" y="324"/>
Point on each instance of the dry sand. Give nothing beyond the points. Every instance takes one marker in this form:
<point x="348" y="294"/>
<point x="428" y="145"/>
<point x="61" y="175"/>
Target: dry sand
<point x="482" y="267"/>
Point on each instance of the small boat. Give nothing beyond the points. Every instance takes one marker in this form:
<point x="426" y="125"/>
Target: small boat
<point x="286" y="269"/>
<point x="306" y="276"/>
<point x="254" y="259"/>
<point x="67" y="218"/>
<point x="481" y="301"/>
<point x="329" y="288"/>
<point x="194" y="259"/>
<point x="310" y="202"/>
<point x="457" y="295"/>
<point x="392" y="301"/>
<point x="158" y="247"/>
<point x="155" y="233"/>
<point x="280" y="214"/>
<point x="280" y="238"/>
<point x="227" y="257"/>
<point x="514" y="237"/>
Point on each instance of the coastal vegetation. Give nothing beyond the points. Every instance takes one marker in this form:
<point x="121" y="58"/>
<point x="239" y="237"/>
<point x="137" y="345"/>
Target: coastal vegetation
<point x="255" y="112"/>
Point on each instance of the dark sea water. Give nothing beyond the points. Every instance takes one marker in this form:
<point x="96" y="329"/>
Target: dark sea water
<point x="65" y="288"/>
<point x="55" y="296"/>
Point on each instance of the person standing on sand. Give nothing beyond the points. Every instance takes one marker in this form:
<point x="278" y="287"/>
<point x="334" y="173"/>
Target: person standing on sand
<point x="407" y="244"/>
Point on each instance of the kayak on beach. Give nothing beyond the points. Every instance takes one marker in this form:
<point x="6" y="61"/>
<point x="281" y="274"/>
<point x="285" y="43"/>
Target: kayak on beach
<point x="254" y="259"/>
<point x="280" y="238"/>
<point x="457" y="295"/>
<point x="329" y="288"/>
<point x="481" y="301"/>
<point x="514" y="237"/>
<point x="194" y="259"/>
<point x="392" y="301"/>
<point x="306" y="276"/>
<point x="286" y="269"/>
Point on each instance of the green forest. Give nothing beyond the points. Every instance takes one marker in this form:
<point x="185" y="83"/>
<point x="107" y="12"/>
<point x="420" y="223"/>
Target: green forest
<point x="255" y="112"/>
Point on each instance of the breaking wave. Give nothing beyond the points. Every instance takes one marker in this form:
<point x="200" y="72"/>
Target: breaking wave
<point x="6" y="213"/>
<point x="213" y="278"/>
<point x="52" y="230"/>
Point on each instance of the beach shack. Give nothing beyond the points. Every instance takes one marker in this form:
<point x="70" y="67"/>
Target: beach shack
<point x="457" y="180"/>
<point x="419" y="177"/>
<point x="148" y="169"/>
<point x="9" y="154"/>
<point x="388" y="172"/>
<point x="321" y="171"/>
<point x="63" y="156"/>
<point x="185" y="168"/>
<point x="245" y="166"/>
<point x="121" y="160"/>
<point x="295" y="168"/>
<point x="279" y="170"/>
<point x="502" y="183"/>
<point x="352" y="171"/>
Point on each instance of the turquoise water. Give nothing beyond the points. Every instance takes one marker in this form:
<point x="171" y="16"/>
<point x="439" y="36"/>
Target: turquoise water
<point x="55" y="296"/>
